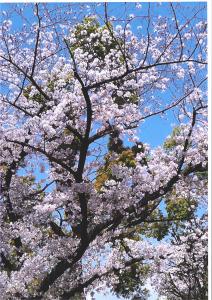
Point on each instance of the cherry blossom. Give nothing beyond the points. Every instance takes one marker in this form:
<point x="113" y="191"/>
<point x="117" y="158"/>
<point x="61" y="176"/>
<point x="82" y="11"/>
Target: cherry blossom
<point x="77" y="85"/>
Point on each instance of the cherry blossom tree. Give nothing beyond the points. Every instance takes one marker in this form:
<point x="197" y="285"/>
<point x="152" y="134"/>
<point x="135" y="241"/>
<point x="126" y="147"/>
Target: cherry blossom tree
<point x="79" y="188"/>
<point x="182" y="274"/>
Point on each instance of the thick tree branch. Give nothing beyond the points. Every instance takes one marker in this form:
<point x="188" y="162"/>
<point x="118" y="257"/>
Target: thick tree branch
<point x="6" y="181"/>
<point x="48" y="155"/>
<point x="82" y="286"/>
<point x="141" y="68"/>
